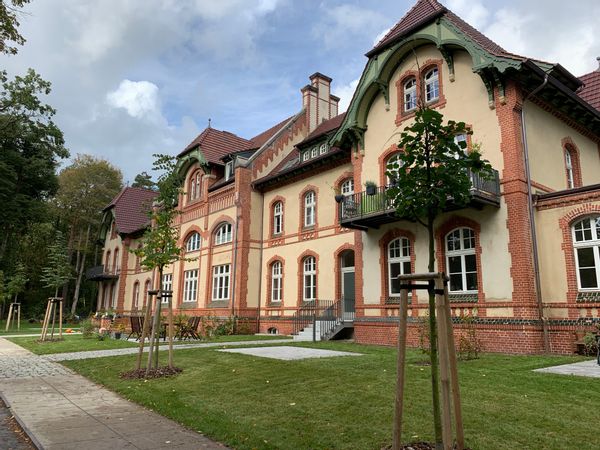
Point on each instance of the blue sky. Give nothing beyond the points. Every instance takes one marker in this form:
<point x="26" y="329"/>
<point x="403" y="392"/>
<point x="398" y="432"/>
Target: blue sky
<point x="133" y="78"/>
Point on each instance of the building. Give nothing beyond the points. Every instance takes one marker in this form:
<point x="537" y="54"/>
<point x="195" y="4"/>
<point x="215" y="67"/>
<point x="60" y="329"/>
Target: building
<point x="271" y="242"/>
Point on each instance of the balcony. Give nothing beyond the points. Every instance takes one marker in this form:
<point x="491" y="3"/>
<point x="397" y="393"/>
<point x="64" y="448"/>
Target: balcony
<point x="98" y="273"/>
<point x="361" y="211"/>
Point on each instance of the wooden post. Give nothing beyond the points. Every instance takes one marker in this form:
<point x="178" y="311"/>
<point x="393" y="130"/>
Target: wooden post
<point x="10" y="310"/>
<point x="18" y="317"/>
<point x="145" y="328"/>
<point x="460" y="437"/>
<point x="401" y="362"/>
<point x="444" y="369"/>
<point x="60" y="321"/>
<point x="153" y="334"/>
<point x="53" y="319"/>
<point x="159" y="326"/>
<point x="171" y="330"/>
<point x="46" y="320"/>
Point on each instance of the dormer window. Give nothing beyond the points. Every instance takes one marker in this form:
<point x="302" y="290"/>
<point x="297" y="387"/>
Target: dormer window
<point x="305" y="156"/>
<point x="323" y="149"/>
<point x="229" y="170"/>
<point x="314" y="152"/>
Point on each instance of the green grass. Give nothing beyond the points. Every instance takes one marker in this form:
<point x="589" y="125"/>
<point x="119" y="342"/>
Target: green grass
<point x="76" y="343"/>
<point x="27" y="328"/>
<point x="346" y="403"/>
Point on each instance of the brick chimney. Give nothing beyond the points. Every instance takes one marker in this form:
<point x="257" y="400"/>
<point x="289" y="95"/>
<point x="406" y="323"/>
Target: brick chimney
<point x="318" y="101"/>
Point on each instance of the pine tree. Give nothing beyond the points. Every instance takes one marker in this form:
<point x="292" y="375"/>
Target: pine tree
<point x="59" y="270"/>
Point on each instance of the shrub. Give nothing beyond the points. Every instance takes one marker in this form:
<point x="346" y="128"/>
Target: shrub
<point x="87" y="328"/>
<point x="469" y="345"/>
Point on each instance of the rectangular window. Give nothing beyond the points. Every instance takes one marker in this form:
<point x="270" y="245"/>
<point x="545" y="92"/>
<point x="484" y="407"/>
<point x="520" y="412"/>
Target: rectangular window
<point x="167" y="285"/>
<point x="221" y="282"/>
<point x="309" y="209"/>
<point x="228" y="170"/>
<point x="276" y="282"/>
<point x="190" y="285"/>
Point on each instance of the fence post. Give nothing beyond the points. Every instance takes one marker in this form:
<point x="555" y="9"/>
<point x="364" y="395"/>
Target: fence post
<point x="314" y="327"/>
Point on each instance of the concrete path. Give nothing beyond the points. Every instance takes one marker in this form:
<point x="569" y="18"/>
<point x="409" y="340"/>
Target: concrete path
<point x="581" y="369"/>
<point x="62" y="410"/>
<point x="288" y="353"/>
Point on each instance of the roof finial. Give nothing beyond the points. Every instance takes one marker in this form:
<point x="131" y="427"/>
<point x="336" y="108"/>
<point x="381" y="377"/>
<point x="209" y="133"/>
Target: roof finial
<point x="209" y="122"/>
<point x="598" y="59"/>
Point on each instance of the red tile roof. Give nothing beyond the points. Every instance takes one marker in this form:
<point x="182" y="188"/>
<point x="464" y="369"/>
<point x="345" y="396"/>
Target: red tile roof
<point x="324" y="128"/>
<point x="214" y="144"/>
<point x="131" y="209"/>
<point x="425" y="11"/>
<point x="591" y="91"/>
<point x="260" y="139"/>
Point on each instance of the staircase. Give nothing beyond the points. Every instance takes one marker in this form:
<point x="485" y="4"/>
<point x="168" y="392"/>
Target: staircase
<point x="320" y="320"/>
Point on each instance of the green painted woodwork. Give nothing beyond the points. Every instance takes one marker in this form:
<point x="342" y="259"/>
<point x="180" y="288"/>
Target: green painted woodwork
<point x="184" y="163"/>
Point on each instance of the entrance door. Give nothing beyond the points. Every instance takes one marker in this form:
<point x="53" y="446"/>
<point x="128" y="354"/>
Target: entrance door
<point x="347" y="282"/>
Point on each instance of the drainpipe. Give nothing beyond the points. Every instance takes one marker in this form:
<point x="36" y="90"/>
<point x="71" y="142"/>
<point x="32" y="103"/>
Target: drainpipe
<point x="536" y="262"/>
<point x="260" y="263"/>
<point x="235" y="252"/>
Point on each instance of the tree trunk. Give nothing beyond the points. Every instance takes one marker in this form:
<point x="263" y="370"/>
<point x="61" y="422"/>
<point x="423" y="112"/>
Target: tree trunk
<point x="155" y="334"/>
<point x="81" y="269"/>
<point x="433" y="348"/>
<point x="145" y="327"/>
<point x="171" y="332"/>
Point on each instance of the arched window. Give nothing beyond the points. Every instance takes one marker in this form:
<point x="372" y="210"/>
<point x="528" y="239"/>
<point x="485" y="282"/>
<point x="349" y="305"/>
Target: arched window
<point x="223" y="235"/>
<point x="398" y="263"/>
<point x="410" y="94"/>
<point x="107" y="262"/>
<point x="136" y="295"/>
<point x="195" y="186"/>
<point x="193" y="242"/>
<point x="310" y="203"/>
<point x="278" y="218"/>
<point x="393" y="165"/>
<point x="432" y="85"/>
<point x="116" y="268"/>
<point x="309" y="272"/>
<point x="146" y="289"/>
<point x="569" y="168"/>
<point x="347" y="187"/>
<point x="461" y="260"/>
<point x="586" y="243"/>
<point x="276" y="281"/>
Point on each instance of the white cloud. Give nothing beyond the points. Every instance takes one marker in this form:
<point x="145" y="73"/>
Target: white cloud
<point x="345" y="94"/>
<point x="138" y="98"/>
<point x="471" y="11"/>
<point x="509" y="28"/>
<point x="380" y="36"/>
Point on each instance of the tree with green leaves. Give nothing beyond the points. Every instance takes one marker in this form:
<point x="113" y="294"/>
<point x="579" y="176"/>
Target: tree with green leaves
<point x="9" y="23"/>
<point x="32" y="146"/>
<point x="58" y="269"/>
<point x="159" y="247"/>
<point x="144" y="180"/>
<point x="17" y="282"/>
<point x="432" y="172"/>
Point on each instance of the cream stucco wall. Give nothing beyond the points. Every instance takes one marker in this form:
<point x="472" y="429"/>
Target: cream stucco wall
<point x="544" y="135"/>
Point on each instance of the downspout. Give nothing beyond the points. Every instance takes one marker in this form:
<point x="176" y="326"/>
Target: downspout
<point x="235" y="252"/>
<point x="536" y="262"/>
<point x="260" y="263"/>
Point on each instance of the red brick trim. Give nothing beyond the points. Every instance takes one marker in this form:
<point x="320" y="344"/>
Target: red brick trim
<point x="383" y="160"/>
<point x="123" y="274"/>
<point x="442" y="231"/>
<point x="427" y="66"/>
<point x="401" y="114"/>
<point x="216" y="224"/>
<point x="568" y="200"/>
<point x="569" y="146"/>
<point x="269" y="267"/>
<point x="308" y="232"/>
<point x="276" y="199"/>
<point x="135" y="305"/>
<point x="383" y="258"/>
<point x="300" y="260"/>
<point x="183" y="237"/>
<point x="565" y="223"/>
<point x="338" y="268"/>
<point x="359" y="301"/>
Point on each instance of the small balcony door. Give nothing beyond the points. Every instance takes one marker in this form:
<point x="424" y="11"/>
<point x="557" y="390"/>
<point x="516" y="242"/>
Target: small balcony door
<point x="347" y="283"/>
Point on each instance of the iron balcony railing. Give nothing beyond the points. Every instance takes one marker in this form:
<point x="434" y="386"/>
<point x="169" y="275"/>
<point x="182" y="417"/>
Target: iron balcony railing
<point x="363" y="204"/>
<point x="99" y="273"/>
<point x="327" y="313"/>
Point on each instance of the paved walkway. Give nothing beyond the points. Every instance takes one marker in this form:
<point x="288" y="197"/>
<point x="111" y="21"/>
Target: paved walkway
<point x="581" y="369"/>
<point x="288" y="353"/>
<point x="62" y="410"/>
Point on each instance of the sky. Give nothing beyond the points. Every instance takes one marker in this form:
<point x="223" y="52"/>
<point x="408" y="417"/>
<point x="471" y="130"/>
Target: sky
<point x="132" y="78"/>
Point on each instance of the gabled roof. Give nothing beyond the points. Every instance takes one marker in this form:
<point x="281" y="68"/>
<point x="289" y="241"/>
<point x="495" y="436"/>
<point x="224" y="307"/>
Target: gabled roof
<point x="131" y="207"/>
<point x="260" y="139"/>
<point x="591" y="90"/>
<point x="214" y="144"/>
<point x="425" y="11"/>
<point x="324" y="128"/>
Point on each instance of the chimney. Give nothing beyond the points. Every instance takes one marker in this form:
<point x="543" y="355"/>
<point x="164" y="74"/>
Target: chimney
<point x="320" y="105"/>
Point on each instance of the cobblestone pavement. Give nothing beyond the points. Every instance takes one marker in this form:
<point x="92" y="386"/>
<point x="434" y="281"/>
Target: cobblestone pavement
<point x="61" y="410"/>
<point x="12" y="436"/>
<point x="581" y="369"/>
<point x="162" y="348"/>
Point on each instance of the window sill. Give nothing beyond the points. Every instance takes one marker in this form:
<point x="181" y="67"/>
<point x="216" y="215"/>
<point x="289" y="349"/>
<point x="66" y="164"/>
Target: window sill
<point x="219" y="304"/>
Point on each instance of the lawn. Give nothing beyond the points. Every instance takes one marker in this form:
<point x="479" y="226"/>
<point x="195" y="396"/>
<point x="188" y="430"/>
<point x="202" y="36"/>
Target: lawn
<point x="76" y="343"/>
<point x="346" y="403"/>
<point x="26" y="328"/>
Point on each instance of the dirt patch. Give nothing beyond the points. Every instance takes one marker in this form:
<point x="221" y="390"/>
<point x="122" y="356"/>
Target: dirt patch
<point x="12" y="435"/>
<point x="419" y="446"/>
<point x="140" y="374"/>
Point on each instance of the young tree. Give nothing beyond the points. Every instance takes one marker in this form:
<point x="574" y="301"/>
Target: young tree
<point x="9" y="21"/>
<point x="17" y="282"/>
<point x="58" y="271"/>
<point x="159" y="244"/>
<point x="433" y="170"/>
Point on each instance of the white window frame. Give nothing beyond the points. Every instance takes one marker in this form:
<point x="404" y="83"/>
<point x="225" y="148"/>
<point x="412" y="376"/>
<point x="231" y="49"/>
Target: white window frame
<point x="278" y="217"/>
<point x="569" y="167"/>
<point x="306" y="155"/>
<point x="276" y="282"/>
<point x="136" y="295"/>
<point x="221" y="280"/>
<point x="323" y="149"/>
<point x="462" y="252"/>
<point x="400" y="256"/>
<point x="410" y="94"/>
<point x="310" y="203"/>
<point x="314" y="152"/>
<point x="432" y="85"/>
<point x="224" y="233"/>
<point x="194" y="242"/>
<point x="190" y="285"/>
<point x="195" y="186"/>
<point x="390" y="159"/>
<point x="167" y="285"/>
<point x="229" y="170"/>
<point x="593" y="242"/>
<point x="347" y="187"/>
<point x="309" y="279"/>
